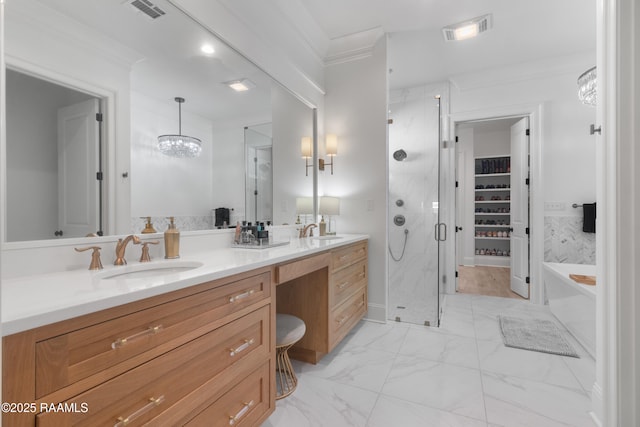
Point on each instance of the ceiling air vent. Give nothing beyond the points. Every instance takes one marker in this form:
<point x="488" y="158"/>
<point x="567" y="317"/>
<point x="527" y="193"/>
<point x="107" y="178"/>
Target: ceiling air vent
<point x="468" y="29"/>
<point x="147" y="7"/>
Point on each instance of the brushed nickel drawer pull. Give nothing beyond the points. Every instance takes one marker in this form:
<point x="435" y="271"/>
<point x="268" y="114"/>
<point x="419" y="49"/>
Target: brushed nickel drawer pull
<point x="121" y="342"/>
<point x="153" y="402"/>
<point x="343" y="257"/>
<point x="243" y="347"/>
<point x="241" y="296"/>
<point x="241" y="413"/>
<point x="343" y="285"/>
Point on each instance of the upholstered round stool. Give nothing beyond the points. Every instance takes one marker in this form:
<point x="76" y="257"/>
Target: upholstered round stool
<point x="289" y="330"/>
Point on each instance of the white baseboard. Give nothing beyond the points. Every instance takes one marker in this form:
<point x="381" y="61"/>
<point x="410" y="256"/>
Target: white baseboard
<point x="376" y="313"/>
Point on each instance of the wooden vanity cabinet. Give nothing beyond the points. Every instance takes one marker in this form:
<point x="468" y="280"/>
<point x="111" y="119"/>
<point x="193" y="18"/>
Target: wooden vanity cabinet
<point x="328" y="291"/>
<point x="160" y="361"/>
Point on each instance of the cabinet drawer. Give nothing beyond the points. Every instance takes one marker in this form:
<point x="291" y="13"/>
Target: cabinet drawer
<point x="347" y="256"/>
<point x="296" y="269"/>
<point x="68" y="358"/>
<point x="243" y="405"/>
<point x="347" y="315"/>
<point x="146" y="391"/>
<point x="346" y="281"/>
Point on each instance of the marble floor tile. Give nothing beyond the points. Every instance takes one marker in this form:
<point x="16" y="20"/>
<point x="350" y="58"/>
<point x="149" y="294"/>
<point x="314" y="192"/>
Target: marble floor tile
<point x="584" y="369"/>
<point x="486" y="327"/>
<point x="438" y="385"/>
<point x="378" y="336"/>
<point x="516" y="402"/>
<point x="415" y="376"/>
<point x="321" y="403"/>
<point x="438" y="346"/>
<point x="495" y="357"/>
<point x="458" y="300"/>
<point x="353" y="365"/>
<point x="390" y="412"/>
<point x="456" y="322"/>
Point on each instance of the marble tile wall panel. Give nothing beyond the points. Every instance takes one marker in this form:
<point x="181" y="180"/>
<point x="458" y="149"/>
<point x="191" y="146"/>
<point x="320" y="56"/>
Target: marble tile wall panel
<point x="183" y="223"/>
<point x="565" y="242"/>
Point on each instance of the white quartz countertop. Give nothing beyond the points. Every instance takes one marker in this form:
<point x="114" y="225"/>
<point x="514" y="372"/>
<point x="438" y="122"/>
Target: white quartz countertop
<point x="32" y="301"/>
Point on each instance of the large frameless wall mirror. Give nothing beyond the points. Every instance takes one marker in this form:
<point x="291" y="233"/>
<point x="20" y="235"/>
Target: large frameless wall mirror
<point x="69" y="175"/>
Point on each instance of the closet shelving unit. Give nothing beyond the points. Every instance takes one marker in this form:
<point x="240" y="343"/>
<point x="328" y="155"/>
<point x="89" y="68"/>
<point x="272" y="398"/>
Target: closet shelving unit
<point x="492" y="216"/>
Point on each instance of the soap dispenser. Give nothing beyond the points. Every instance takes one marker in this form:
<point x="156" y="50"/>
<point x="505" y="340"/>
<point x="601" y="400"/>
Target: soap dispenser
<point x="171" y="241"/>
<point x="323" y="227"/>
<point x="148" y="227"/>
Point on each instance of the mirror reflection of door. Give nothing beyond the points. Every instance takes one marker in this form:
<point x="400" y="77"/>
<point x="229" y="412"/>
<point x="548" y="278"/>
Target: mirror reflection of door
<point x="41" y="203"/>
<point x="259" y="173"/>
<point x="78" y="135"/>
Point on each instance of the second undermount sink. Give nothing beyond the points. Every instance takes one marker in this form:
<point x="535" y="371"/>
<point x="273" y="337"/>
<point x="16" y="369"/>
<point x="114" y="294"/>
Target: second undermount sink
<point x="327" y="237"/>
<point x="140" y="271"/>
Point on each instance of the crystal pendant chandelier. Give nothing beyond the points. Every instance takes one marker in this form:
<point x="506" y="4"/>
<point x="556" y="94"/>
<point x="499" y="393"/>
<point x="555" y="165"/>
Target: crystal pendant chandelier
<point x="587" y="87"/>
<point x="179" y="145"/>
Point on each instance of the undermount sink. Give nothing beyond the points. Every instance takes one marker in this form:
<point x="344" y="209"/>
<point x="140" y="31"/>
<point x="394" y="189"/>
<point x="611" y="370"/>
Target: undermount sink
<point x="327" y="237"/>
<point x="140" y="271"/>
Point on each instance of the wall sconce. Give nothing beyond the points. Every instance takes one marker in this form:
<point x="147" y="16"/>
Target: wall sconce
<point x="331" y="147"/>
<point x="307" y="152"/>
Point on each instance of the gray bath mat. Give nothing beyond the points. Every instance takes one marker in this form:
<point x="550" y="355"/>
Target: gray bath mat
<point x="535" y="335"/>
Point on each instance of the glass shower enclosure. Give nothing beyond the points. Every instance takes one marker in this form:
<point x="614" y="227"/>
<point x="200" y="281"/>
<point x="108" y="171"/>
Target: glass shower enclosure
<point x="416" y="229"/>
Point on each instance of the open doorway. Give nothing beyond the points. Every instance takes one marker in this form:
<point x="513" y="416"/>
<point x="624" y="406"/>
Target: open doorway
<point x="492" y="207"/>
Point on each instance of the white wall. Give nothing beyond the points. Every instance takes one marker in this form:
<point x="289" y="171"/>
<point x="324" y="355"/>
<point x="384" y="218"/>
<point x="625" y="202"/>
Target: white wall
<point x="291" y="121"/>
<point x="568" y="150"/>
<point x="356" y="110"/>
<point x="163" y="185"/>
<point x="492" y="143"/>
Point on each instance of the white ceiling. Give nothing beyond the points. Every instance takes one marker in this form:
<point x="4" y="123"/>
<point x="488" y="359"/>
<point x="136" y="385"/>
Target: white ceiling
<point x="523" y="31"/>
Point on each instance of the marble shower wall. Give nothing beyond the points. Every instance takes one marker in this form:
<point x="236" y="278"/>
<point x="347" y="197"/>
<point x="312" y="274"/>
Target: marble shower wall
<point x="413" y="281"/>
<point x="564" y="241"/>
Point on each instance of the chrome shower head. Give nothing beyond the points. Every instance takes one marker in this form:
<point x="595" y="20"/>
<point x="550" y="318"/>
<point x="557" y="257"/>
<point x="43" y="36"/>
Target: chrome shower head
<point x="400" y="155"/>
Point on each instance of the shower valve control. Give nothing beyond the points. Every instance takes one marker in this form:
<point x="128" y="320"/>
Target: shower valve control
<point x="399" y="220"/>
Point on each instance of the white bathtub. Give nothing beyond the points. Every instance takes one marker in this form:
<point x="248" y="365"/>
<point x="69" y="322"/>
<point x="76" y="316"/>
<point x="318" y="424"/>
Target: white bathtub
<point x="574" y="304"/>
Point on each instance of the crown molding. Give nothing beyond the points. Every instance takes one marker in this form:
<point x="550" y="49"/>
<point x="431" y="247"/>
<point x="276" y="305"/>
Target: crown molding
<point x="353" y="47"/>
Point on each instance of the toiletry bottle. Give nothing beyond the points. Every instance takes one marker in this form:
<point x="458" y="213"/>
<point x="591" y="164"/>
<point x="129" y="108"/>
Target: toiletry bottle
<point x="171" y="241"/>
<point x="236" y="239"/>
<point x="323" y="227"/>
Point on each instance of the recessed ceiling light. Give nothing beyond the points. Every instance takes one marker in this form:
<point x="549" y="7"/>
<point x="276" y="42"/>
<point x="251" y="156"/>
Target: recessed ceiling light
<point x="468" y="29"/>
<point x="207" y="49"/>
<point x="241" y="85"/>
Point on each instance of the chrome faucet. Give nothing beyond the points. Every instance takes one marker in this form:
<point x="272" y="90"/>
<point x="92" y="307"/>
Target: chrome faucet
<point x="309" y="228"/>
<point x="121" y="246"/>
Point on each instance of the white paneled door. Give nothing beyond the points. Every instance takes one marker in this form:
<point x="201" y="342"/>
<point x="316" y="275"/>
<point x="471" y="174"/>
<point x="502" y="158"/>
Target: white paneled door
<point x="78" y="186"/>
<point x="520" y="208"/>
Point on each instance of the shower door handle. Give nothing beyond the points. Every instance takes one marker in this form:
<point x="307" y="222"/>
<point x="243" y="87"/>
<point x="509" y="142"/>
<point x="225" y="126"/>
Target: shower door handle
<point x="437" y="232"/>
